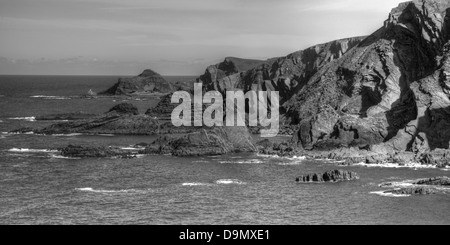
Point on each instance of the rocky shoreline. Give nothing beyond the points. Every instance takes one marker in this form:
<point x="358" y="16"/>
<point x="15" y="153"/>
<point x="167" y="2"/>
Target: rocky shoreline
<point x="378" y="99"/>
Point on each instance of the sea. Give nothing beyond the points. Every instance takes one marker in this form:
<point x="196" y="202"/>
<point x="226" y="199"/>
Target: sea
<point x="39" y="186"/>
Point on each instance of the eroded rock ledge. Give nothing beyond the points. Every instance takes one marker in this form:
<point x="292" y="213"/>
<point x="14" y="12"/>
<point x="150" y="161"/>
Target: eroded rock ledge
<point x="329" y="176"/>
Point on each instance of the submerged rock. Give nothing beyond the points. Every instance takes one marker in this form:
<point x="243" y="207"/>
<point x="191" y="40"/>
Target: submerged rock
<point x="78" y="151"/>
<point x="65" y="116"/>
<point x="413" y="191"/>
<point x="329" y="176"/>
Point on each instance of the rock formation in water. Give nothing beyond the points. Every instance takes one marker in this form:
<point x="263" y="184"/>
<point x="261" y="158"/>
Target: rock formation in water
<point x="412" y="191"/>
<point x="76" y="151"/>
<point x="329" y="176"/>
<point x="65" y="116"/>
<point x="147" y="82"/>
<point x="419" y="187"/>
<point x="216" y="141"/>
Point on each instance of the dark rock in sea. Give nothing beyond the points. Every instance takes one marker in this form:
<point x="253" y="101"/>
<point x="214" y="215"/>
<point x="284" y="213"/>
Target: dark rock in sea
<point x="216" y="141"/>
<point x="330" y="176"/>
<point x="125" y="108"/>
<point x="22" y="130"/>
<point x="65" y="116"/>
<point x="147" y="82"/>
<point x="77" y="151"/>
<point x="437" y="181"/>
<point x="413" y="191"/>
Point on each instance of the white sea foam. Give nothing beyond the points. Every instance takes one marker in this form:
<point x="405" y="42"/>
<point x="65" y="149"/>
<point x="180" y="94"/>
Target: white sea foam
<point x="250" y="161"/>
<point x="50" y="97"/>
<point x="289" y="163"/>
<point x="195" y="184"/>
<point x="67" y="135"/>
<point x="278" y="157"/>
<point x="29" y="119"/>
<point x="63" y="157"/>
<point x="230" y="182"/>
<point x="26" y="150"/>
<point x="88" y="189"/>
<point x="396" y="165"/>
<point x="382" y="193"/>
<point x="132" y="148"/>
<point x="399" y="184"/>
<point x="200" y="161"/>
<point x="1" y="121"/>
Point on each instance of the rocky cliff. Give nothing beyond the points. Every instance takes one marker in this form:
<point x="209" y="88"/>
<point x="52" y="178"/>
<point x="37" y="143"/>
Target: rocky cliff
<point x="379" y="93"/>
<point x="147" y="82"/>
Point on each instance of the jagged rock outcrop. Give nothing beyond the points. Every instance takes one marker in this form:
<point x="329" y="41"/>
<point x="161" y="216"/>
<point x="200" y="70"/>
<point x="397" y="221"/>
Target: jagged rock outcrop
<point x="216" y="141"/>
<point x="439" y="181"/>
<point x="125" y="108"/>
<point x="329" y="176"/>
<point x="147" y="82"/>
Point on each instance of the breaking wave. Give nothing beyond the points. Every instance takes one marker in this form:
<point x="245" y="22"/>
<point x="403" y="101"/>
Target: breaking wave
<point x="88" y="189"/>
<point x="26" y="150"/>
<point x="63" y="157"/>
<point x="195" y="184"/>
<point x="250" y="161"/>
<point x="50" y="97"/>
<point x="29" y="119"/>
<point x="382" y="193"/>
<point x="396" y="165"/>
<point x="230" y="182"/>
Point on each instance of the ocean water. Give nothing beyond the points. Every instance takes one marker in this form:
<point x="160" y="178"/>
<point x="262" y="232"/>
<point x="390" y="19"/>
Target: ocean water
<point x="38" y="186"/>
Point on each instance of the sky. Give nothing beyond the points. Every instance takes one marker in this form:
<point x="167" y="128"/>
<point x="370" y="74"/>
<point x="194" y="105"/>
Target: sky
<point x="172" y="37"/>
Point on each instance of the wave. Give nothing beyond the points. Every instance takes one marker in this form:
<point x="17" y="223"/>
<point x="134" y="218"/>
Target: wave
<point x="51" y="97"/>
<point x="132" y="148"/>
<point x="29" y="119"/>
<point x="88" y="189"/>
<point x="195" y="184"/>
<point x="26" y="150"/>
<point x="398" y="184"/>
<point x="382" y="193"/>
<point x="104" y="135"/>
<point x="250" y="161"/>
<point x="230" y="182"/>
<point x="63" y="157"/>
<point x="1" y="121"/>
<point x="396" y="165"/>
<point x="200" y="161"/>
<point x="66" y="135"/>
<point x="279" y="157"/>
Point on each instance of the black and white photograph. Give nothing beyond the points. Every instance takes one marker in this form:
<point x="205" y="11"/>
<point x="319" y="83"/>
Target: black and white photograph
<point x="224" y="113"/>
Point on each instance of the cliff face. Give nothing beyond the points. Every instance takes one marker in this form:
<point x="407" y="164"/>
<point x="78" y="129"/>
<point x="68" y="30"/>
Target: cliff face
<point x="386" y="92"/>
<point x="147" y="82"/>
<point x="286" y="74"/>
